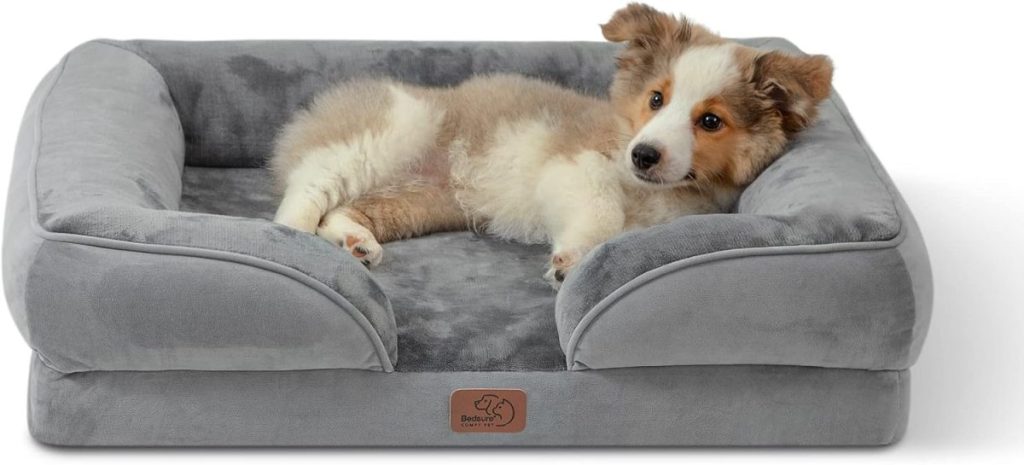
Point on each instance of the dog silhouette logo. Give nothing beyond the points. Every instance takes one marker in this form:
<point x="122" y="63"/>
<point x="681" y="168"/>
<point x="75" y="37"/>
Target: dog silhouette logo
<point x="487" y="410"/>
<point x="496" y="407"/>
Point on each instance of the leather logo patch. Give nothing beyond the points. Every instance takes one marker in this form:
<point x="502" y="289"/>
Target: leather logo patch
<point x="488" y="410"/>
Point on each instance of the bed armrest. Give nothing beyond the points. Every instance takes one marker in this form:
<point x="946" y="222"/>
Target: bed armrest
<point x="92" y="211"/>
<point x="821" y="265"/>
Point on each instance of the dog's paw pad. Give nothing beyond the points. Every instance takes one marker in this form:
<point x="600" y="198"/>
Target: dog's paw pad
<point x="559" y="268"/>
<point x="554" y="281"/>
<point x="367" y="250"/>
<point x="359" y="242"/>
<point x="560" y="260"/>
<point x="563" y="261"/>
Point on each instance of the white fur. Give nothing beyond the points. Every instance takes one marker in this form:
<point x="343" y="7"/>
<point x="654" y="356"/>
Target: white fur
<point x="582" y="201"/>
<point x="516" y="187"/>
<point x="329" y="176"/>
<point x="500" y="186"/>
<point x="573" y="201"/>
<point x="338" y="228"/>
<point x="698" y="74"/>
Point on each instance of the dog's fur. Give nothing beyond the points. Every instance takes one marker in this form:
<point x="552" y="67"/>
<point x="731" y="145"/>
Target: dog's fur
<point x="373" y="161"/>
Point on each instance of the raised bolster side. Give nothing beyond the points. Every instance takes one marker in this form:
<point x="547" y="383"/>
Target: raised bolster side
<point x="103" y="272"/>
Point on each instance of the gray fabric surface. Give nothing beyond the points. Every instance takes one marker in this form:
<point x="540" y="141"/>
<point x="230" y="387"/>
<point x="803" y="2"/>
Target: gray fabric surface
<point x="232" y="96"/>
<point x="464" y="302"/>
<point x="811" y="308"/>
<point x="137" y="255"/>
<point x="829" y="191"/>
<point x="195" y="313"/>
<point x="108" y="150"/>
<point x="460" y="302"/>
<point x="723" y="405"/>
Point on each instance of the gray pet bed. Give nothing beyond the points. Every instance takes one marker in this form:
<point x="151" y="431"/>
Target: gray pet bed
<point x="164" y="309"/>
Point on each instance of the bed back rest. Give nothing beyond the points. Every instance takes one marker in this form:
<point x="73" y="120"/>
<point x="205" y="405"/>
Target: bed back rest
<point x="233" y="97"/>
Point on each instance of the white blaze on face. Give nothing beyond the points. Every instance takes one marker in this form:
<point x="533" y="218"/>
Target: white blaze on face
<point x="698" y="74"/>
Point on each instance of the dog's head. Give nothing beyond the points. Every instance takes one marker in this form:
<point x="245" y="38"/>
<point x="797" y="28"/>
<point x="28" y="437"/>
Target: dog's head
<point x="702" y="109"/>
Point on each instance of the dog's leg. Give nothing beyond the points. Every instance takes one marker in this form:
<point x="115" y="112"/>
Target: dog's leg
<point x="320" y="182"/>
<point x="398" y="213"/>
<point x="332" y="175"/>
<point x="582" y="204"/>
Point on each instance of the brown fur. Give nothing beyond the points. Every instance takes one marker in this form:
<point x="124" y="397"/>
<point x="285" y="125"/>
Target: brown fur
<point x="348" y="109"/>
<point x="774" y="98"/>
<point x="407" y="211"/>
<point x="654" y="40"/>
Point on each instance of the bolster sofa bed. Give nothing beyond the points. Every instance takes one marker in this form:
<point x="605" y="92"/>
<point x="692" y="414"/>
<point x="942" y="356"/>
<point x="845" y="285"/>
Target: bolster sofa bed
<point x="163" y="308"/>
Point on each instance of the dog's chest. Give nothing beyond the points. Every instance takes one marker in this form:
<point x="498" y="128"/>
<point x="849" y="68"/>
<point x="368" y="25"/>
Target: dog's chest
<point x="646" y="208"/>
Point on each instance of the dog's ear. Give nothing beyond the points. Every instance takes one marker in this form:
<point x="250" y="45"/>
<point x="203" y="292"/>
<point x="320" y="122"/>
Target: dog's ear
<point x="645" y="28"/>
<point x="796" y="84"/>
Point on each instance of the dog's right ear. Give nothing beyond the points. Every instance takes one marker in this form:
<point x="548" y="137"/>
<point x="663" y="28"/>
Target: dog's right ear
<point x="645" y="28"/>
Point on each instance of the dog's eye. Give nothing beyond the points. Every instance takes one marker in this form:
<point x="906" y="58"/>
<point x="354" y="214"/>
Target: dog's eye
<point x="710" y="122"/>
<point x="657" y="100"/>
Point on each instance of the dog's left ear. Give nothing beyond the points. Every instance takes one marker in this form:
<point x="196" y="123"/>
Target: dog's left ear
<point x="645" y="28"/>
<point x="797" y="84"/>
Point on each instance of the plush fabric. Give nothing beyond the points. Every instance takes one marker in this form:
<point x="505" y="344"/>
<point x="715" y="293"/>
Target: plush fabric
<point x="666" y="406"/>
<point x="167" y="164"/>
<point x="461" y="301"/>
<point x="820" y="264"/>
<point x="232" y="96"/>
<point x="102" y="152"/>
<point x="164" y="309"/>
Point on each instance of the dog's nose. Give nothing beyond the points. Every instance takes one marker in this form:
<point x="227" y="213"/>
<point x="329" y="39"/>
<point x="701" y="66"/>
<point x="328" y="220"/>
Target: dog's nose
<point x="645" y="156"/>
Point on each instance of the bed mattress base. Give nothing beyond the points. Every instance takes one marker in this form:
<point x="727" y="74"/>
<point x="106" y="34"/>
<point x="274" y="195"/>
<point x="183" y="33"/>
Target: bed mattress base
<point x="737" y="405"/>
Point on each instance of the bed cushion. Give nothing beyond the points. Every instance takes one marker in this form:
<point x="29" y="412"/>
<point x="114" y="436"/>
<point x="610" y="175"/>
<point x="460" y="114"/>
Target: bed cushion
<point x="102" y="270"/>
<point x="653" y="406"/>
<point x="820" y="264"/>
<point x="137" y="237"/>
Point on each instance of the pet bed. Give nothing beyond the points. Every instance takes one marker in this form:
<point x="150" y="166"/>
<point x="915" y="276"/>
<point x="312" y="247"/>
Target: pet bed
<point x="163" y="308"/>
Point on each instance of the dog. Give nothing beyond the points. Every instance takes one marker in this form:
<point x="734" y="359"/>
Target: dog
<point x="692" y="118"/>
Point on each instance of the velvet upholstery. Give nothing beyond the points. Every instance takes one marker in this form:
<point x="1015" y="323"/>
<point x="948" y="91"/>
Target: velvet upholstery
<point x="810" y="269"/>
<point x="104" y="158"/>
<point x="455" y="307"/>
<point x="170" y="159"/>
<point x="163" y="308"/>
<point x="232" y="95"/>
<point x="664" y="406"/>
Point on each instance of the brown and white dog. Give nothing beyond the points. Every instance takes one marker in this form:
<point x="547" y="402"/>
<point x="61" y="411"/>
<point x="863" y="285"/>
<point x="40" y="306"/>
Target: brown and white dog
<point x="692" y="119"/>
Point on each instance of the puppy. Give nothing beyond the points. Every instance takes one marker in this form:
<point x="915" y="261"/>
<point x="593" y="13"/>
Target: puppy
<point x="692" y="118"/>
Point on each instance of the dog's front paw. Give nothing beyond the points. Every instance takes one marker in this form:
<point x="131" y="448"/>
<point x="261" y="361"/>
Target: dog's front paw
<point x="353" y="237"/>
<point x="561" y="264"/>
<point x="367" y="250"/>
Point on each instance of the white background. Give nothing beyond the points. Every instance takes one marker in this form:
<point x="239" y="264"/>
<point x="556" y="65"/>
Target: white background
<point x="936" y="90"/>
